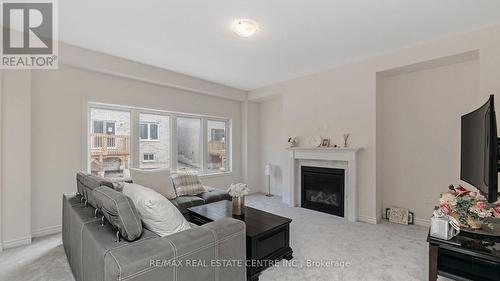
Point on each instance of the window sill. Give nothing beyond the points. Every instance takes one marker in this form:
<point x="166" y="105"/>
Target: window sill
<point x="216" y="175"/>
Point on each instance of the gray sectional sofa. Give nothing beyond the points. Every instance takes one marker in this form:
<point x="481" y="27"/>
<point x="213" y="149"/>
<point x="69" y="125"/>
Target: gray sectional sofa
<point x="87" y="182"/>
<point x="96" y="252"/>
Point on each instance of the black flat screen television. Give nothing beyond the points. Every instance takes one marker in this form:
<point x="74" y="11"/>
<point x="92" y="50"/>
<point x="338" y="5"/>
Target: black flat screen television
<point x="479" y="150"/>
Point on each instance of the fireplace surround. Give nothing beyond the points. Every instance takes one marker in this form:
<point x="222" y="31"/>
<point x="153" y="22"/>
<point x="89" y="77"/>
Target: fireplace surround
<point x="322" y="189"/>
<point x="338" y="158"/>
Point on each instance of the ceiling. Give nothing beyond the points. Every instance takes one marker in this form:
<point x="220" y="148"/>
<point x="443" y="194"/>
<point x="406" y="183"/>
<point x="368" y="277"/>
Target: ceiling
<point x="296" y="37"/>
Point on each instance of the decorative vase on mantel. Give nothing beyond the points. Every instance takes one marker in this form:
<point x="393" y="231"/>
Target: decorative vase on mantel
<point x="238" y="205"/>
<point x="238" y="191"/>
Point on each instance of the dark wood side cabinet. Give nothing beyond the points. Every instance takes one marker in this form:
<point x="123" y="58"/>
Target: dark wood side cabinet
<point x="466" y="256"/>
<point x="267" y="235"/>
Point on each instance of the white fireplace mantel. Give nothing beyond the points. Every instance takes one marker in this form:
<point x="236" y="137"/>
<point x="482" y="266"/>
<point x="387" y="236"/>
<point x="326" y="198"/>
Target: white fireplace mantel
<point x="342" y="158"/>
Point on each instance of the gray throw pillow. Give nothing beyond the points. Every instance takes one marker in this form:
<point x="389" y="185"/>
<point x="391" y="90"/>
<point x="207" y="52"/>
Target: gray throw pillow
<point x="120" y="211"/>
<point x="186" y="184"/>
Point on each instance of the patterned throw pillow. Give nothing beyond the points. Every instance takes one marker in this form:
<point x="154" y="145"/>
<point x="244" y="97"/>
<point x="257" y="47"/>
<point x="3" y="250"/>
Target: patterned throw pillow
<point x="187" y="185"/>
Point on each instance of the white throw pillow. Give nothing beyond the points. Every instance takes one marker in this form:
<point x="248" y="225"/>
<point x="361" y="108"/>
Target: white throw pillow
<point x="157" y="213"/>
<point x="157" y="179"/>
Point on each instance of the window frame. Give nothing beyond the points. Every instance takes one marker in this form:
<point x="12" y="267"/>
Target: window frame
<point x="227" y="144"/>
<point x="149" y="131"/>
<point x="200" y="141"/>
<point x="149" y="160"/>
<point x="104" y="129"/>
<point x="135" y="138"/>
<point x="87" y="130"/>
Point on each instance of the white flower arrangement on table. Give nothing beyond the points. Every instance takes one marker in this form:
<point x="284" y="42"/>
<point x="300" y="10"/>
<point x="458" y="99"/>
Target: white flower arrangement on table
<point x="238" y="189"/>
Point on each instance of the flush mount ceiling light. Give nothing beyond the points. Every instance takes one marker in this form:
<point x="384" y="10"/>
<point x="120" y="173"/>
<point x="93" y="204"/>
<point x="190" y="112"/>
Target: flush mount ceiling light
<point x="245" y="27"/>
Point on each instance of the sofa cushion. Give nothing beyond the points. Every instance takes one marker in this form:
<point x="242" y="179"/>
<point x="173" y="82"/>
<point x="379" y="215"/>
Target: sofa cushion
<point x="120" y="211"/>
<point x="75" y="217"/>
<point x="157" y="212"/>
<point x="91" y="182"/>
<point x="80" y="185"/>
<point x="86" y="181"/>
<point x="158" y="179"/>
<point x="117" y="185"/>
<point x="184" y="202"/>
<point x="97" y="240"/>
<point x="186" y="184"/>
<point x="214" y="195"/>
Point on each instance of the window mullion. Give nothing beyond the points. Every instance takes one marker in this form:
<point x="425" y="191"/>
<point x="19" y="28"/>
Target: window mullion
<point x="204" y="146"/>
<point x="227" y="145"/>
<point x="135" y="138"/>
<point x="173" y="142"/>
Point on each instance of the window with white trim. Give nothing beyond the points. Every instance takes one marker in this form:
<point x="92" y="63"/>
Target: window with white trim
<point x="154" y="133"/>
<point x="108" y="143"/>
<point x="189" y="147"/>
<point x="217" y="161"/>
<point x="101" y="127"/>
<point x="148" y="157"/>
<point x="154" y="139"/>
<point x="149" y="131"/>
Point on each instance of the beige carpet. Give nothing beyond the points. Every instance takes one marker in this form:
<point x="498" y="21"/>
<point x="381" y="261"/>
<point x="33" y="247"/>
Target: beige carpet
<point x="371" y="252"/>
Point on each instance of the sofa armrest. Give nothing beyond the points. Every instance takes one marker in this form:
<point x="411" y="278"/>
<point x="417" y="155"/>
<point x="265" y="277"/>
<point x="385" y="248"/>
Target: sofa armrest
<point x="214" y="251"/>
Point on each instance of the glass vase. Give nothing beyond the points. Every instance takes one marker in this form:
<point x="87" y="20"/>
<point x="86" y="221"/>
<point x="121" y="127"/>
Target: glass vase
<point x="238" y="205"/>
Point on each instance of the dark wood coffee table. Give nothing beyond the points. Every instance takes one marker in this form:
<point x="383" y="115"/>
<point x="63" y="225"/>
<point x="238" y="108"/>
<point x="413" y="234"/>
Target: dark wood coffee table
<point x="268" y="235"/>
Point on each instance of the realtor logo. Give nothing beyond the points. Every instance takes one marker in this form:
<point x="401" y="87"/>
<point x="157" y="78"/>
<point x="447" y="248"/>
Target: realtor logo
<point x="29" y="37"/>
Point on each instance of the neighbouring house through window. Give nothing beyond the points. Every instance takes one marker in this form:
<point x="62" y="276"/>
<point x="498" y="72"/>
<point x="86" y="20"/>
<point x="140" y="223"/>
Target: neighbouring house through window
<point x="109" y="142"/>
<point x="149" y="131"/>
<point x="148" y="157"/>
<point x="189" y="147"/>
<point x="154" y="145"/>
<point x="121" y="137"/>
<point x="217" y="147"/>
<point x="103" y="127"/>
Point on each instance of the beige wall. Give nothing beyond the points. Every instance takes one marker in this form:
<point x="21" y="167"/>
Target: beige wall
<point x="343" y="100"/>
<point x="420" y="133"/>
<point x="64" y="93"/>
<point x="43" y="120"/>
<point x="329" y="103"/>
<point x="272" y="143"/>
<point x="16" y="158"/>
<point x="251" y="166"/>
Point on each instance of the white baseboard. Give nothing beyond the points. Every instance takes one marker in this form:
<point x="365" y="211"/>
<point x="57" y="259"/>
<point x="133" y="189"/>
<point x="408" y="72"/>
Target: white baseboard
<point x="423" y="222"/>
<point x="44" y="231"/>
<point x="367" y="219"/>
<point x="16" y="243"/>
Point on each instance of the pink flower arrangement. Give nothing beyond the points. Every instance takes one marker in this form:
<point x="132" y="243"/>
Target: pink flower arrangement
<point x="469" y="207"/>
<point x="496" y="211"/>
<point x="482" y="205"/>
<point x="446" y="209"/>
